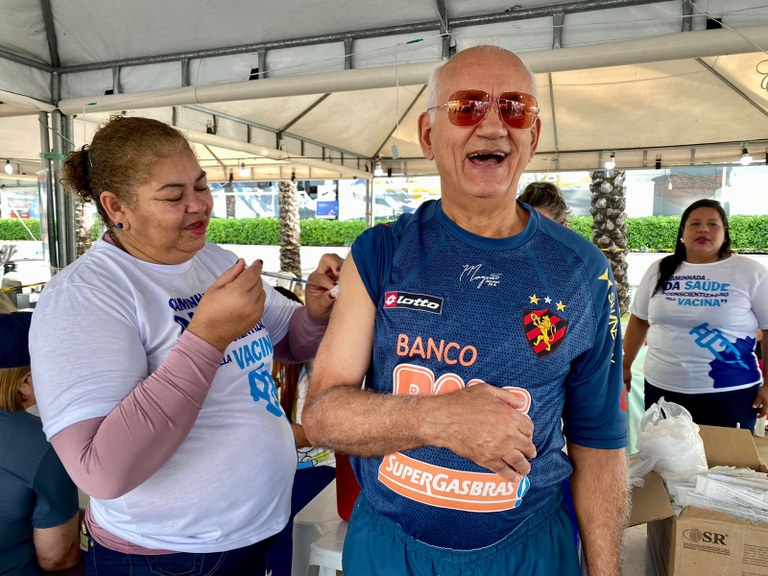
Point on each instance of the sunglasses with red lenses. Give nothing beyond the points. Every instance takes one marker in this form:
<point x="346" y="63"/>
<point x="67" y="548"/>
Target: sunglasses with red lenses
<point x="469" y="107"/>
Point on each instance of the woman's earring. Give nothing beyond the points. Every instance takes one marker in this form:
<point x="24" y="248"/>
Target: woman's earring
<point x="119" y="225"/>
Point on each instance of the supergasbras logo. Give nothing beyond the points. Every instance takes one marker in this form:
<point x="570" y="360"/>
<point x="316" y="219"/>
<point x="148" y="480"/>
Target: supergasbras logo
<point x="423" y="302"/>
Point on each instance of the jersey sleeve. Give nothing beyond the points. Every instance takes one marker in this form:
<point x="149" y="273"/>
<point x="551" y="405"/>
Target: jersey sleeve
<point x="372" y="252"/>
<point x="595" y="406"/>
<point x="56" y="499"/>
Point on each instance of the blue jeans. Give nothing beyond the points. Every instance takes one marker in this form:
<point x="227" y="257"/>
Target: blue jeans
<point x="248" y="561"/>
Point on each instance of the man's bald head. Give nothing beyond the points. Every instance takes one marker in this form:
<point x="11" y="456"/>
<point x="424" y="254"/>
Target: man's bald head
<point x="468" y="56"/>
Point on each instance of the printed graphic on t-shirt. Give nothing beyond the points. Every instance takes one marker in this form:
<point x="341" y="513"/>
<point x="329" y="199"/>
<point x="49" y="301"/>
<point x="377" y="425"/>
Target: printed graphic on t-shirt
<point x="314" y="456"/>
<point x="696" y="290"/>
<point x="733" y="363"/>
<point x="249" y="352"/>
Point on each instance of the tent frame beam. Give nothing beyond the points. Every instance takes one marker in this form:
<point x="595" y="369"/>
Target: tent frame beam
<point x="281" y="135"/>
<point x="404" y="29"/>
<point x="732" y="86"/>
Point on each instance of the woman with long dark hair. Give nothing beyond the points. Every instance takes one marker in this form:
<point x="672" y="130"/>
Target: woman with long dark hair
<point x="700" y="309"/>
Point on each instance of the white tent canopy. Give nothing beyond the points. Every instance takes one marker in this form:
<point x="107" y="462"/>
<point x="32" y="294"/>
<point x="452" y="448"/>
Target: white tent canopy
<point x="323" y="88"/>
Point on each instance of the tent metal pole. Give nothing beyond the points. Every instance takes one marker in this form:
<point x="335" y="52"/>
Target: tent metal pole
<point x="368" y="203"/>
<point x="732" y="86"/>
<point x="69" y="199"/>
<point x="50" y="201"/>
<point x="58" y="192"/>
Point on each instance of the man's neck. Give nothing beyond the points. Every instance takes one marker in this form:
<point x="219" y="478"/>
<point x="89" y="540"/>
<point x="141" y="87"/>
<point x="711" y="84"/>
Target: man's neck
<point x="490" y="220"/>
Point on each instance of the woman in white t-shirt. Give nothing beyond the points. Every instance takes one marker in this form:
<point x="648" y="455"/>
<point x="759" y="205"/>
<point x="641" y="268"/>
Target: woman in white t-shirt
<point x="152" y="356"/>
<point x="700" y="309"/>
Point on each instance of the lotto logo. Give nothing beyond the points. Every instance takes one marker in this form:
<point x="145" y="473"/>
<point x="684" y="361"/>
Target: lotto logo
<point x="413" y="301"/>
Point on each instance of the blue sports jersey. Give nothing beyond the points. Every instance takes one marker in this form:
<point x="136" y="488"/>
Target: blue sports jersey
<point x="536" y="313"/>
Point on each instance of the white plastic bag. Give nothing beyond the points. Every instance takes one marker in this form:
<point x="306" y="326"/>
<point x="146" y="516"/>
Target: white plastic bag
<point x="669" y="438"/>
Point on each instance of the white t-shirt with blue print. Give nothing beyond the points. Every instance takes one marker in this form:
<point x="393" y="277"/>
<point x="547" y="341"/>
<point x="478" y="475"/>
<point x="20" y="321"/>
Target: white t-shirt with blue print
<point x="703" y="328"/>
<point x="105" y="323"/>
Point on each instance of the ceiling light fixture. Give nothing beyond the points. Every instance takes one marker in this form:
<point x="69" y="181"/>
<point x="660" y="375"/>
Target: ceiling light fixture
<point x="378" y="171"/>
<point x="8" y="167"/>
<point x="745" y="159"/>
<point x="611" y="163"/>
<point x="244" y="172"/>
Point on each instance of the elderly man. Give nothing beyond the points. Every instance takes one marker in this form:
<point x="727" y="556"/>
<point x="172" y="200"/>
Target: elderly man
<point x="488" y="336"/>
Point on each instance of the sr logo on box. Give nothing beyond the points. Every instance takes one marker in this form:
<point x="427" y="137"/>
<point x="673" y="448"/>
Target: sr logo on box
<point x="696" y="535"/>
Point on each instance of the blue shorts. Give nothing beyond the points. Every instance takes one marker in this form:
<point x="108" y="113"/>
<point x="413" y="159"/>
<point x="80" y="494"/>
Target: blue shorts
<point x="543" y="545"/>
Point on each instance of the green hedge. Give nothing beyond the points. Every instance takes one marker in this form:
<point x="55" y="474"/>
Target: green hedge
<point x="13" y="229"/>
<point x="260" y="231"/>
<point x="652" y="233"/>
<point x="658" y="233"/>
<point x="266" y="231"/>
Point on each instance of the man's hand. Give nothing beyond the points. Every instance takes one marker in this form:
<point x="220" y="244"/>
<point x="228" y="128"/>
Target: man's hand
<point x="484" y="424"/>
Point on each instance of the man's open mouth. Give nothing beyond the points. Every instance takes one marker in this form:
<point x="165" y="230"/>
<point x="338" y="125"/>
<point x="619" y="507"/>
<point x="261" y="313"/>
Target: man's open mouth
<point x="487" y="158"/>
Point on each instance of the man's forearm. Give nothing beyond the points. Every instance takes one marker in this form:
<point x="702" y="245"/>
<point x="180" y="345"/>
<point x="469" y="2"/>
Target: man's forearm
<point x="373" y="424"/>
<point x="481" y="423"/>
<point x="600" y="496"/>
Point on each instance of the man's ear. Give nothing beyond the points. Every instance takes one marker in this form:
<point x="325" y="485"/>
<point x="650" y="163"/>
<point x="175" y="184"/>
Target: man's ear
<point x="112" y="206"/>
<point x="425" y="136"/>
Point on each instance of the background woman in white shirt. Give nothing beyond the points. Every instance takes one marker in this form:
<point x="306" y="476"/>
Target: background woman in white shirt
<point x="700" y="309"/>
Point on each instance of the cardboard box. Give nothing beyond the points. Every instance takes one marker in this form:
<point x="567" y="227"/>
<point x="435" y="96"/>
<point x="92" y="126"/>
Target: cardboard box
<point x="703" y="542"/>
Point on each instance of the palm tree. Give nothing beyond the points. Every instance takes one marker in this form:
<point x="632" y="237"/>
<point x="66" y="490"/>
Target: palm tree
<point x="229" y="197"/>
<point x="609" y="226"/>
<point x="83" y="234"/>
<point x="290" y="228"/>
